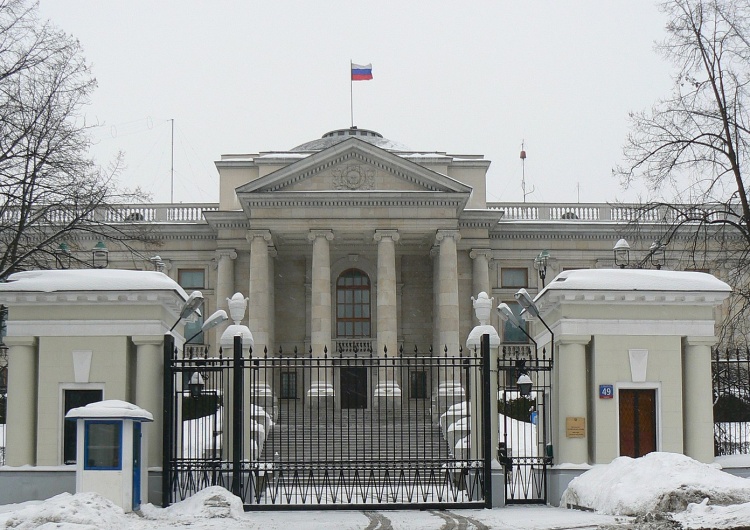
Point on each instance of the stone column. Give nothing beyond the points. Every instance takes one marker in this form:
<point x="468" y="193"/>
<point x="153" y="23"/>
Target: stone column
<point x="272" y="253"/>
<point x="448" y="316"/>
<point x="149" y="379"/>
<point x="571" y="397"/>
<point x="697" y="388"/>
<point x="480" y="277"/>
<point x="434" y="254"/>
<point x="321" y="385"/>
<point x="258" y="291"/>
<point x="20" y="439"/>
<point x="224" y="285"/>
<point x="387" y="324"/>
<point x="387" y="392"/>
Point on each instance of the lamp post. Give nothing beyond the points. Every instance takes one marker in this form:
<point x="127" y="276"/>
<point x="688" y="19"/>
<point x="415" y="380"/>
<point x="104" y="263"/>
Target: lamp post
<point x="523" y="298"/>
<point x="656" y="255"/>
<point x="622" y="253"/>
<point x="62" y="256"/>
<point x="540" y="264"/>
<point x="100" y="256"/>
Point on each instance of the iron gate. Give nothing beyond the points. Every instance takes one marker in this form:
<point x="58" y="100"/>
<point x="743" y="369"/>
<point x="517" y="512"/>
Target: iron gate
<point x="342" y="431"/>
<point x="525" y="423"/>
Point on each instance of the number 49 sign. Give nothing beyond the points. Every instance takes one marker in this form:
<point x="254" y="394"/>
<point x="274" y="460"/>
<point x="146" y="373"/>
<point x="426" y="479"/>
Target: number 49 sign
<point x="606" y="391"/>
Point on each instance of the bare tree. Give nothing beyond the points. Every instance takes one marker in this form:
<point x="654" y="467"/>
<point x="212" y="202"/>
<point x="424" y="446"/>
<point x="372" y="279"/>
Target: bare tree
<point x="692" y="147"/>
<point x="50" y="188"/>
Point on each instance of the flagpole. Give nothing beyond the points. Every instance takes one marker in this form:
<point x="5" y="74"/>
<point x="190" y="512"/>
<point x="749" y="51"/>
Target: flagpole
<point x="351" y="93"/>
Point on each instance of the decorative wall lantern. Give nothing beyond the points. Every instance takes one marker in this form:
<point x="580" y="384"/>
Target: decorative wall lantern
<point x="100" y="256"/>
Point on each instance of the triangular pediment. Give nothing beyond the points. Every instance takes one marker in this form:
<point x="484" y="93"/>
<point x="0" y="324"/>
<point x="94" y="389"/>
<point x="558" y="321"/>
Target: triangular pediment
<point x="351" y="166"/>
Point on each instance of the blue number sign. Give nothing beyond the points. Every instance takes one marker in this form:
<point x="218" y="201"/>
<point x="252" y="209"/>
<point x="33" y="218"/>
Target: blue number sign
<point x="606" y="391"/>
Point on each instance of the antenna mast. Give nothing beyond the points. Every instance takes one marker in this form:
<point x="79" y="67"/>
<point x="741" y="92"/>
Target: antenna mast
<point x="523" y="173"/>
<point x="171" y="189"/>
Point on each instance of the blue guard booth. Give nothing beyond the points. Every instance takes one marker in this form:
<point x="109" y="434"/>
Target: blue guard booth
<point x="110" y="459"/>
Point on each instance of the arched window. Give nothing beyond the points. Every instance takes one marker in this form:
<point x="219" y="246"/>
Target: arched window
<point x="353" y="304"/>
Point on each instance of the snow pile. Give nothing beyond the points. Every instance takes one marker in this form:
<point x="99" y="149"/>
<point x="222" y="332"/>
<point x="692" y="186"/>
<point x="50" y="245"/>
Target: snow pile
<point x="84" y="510"/>
<point x="209" y="503"/>
<point x="655" y="483"/>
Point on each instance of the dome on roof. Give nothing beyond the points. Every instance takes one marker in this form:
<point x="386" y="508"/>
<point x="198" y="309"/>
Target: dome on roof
<point x="339" y="135"/>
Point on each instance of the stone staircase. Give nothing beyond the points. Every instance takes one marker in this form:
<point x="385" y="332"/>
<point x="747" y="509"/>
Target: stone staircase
<point x="354" y="437"/>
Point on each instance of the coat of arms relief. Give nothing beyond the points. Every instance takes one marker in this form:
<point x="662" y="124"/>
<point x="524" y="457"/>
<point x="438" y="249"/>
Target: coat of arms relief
<point x="353" y="177"/>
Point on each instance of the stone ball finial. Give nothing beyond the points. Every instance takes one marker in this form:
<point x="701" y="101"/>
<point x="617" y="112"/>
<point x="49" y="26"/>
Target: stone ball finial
<point x="482" y="307"/>
<point x="237" y="306"/>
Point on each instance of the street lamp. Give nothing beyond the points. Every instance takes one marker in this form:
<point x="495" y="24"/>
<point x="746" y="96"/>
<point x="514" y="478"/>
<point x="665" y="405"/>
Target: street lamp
<point x="157" y="262"/>
<point x="191" y="305"/>
<point x="218" y="317"/>
<point x="523" y="298"/>
<point x="99" y="256"/>
<point x="540" y="264"/>
<point x="657" y="254"/>
<point x="62" y="256"/>
<point x="622" y="253"/>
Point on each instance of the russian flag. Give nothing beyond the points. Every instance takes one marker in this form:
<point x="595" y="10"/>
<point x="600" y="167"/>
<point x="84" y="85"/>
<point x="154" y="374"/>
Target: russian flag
<point x="361" y="72"/>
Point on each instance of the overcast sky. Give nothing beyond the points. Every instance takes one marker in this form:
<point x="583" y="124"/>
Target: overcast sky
<point x="462" y="77"/>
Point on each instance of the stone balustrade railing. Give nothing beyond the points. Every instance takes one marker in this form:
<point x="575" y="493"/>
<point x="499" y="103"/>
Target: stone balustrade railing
<point x="589" y="212"/>
<point x="598" y="212"/>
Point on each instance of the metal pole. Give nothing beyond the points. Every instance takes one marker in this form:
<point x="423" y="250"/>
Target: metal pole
<point x="487" y="420"/>
<point x="171" y="191"/>
<point x="237" y="413"/>
<point x="167" y="421"/>
<point x="351" y="93"/>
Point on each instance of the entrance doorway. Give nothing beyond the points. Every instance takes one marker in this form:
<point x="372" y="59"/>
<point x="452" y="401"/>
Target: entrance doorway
<point x="637" y="421"/>
<point x="73" y="398"/>
<point x="354" y="387"/>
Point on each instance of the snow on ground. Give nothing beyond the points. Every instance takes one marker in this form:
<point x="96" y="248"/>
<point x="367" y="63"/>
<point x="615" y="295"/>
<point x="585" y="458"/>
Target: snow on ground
<point x="659" y="483"/>
<point x="664" y="491"/>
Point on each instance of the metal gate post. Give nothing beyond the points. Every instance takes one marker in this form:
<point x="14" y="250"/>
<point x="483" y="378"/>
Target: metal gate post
<point x="167" y="420"/>
<point x="487" y="419"/>
<point x="237" y="423"/>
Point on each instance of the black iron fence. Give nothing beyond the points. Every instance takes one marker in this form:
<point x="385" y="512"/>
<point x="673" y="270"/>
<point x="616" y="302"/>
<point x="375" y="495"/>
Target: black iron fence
<point x="3" y="399"/>
<point x="730" y="369"/>
<point x="524" y="403"/>
<point x="337" y="431"/>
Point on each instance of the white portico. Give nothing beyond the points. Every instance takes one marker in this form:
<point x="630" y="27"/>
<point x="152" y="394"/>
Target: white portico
<point x="353" y="243"/>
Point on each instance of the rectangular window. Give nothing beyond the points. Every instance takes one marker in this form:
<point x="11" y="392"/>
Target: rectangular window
<point x="103" y="447"/>
<point x="288" y="385"/>
<point x="511" y="334"/>
<point x="71" y="400"/>
<point x="514" y="277"/>
<point x="418" y="384"/>
<point x="191" y="278"/>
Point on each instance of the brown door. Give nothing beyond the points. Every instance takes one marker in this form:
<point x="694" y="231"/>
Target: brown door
<point x="637" y="421"/>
